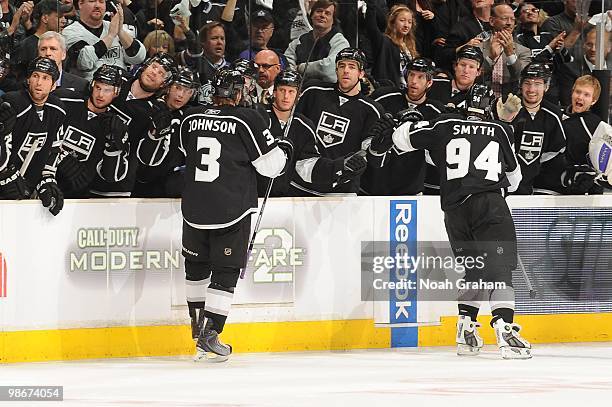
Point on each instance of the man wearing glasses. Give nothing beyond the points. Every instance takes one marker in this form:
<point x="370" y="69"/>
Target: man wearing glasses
<point x="269" y="67"/>
<point x="262" y="29"/>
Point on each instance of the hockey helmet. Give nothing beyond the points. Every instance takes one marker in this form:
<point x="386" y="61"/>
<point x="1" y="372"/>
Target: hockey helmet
<point x="186" y="77"/>
<point x="479" y="100"/>
<point x="288" y="77"/>
<point x="422" y="65"/>
<point x="108" y="74"/>
<point x="536" y="70"/>
<point x="45" y="65"/>
<point x="410" y="114"/>
<point x="470" y="52"/>
<point x="245" y="67"/>
<point x="227" y="82"/>
<point x="166" y="61"/>
<point x="352" y="54"/>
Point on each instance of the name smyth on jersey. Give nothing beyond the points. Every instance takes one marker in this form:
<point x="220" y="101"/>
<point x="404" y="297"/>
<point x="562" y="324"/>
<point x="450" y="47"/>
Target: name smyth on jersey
<point x="212" y="125"/>
<point x="473" y="129"/>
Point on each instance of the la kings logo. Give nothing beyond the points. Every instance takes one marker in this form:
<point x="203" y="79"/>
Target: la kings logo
<point x="531" y="146"/>
<point x="332" y="129"/>
<point x="29" y="141"/>
<point x="78" y="141"/>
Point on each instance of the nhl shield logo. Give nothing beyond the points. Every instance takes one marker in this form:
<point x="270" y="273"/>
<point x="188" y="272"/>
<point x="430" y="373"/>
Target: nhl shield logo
<point x="531" y="146"/>
<point x="332" y="129"/>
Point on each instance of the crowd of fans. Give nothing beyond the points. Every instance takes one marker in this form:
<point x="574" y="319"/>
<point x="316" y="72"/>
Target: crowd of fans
<point x="125" y="70"/>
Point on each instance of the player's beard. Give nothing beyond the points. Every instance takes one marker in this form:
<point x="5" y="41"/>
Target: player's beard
<point x="146" y="88"/>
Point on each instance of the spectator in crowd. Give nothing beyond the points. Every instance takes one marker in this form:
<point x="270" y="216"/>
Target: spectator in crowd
<point x="470" y="30"/>
<point x="569" y="72"/>
<point x="504" y="57"/>
<point x="155" y="15"/>
<point x="47" y="16"/>
<point x="93" y="42"/>
<point x="426" y="26"/>
<point x="268" y="65"/>
<point x="52" y="45"/>
<point x="568" y="22"/>
<point x="16" y="21"/>
<point x="466" y="69"/>
<point x="395" y="48"/>
<point x="313" y="54"/>
<point x="262" y="29"/>
<point x="158" y="41"/>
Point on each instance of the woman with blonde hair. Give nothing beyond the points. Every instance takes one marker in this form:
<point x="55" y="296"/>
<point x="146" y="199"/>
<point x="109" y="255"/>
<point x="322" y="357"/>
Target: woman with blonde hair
<point x="158" y="41"/>
<point x="396" y="47"/>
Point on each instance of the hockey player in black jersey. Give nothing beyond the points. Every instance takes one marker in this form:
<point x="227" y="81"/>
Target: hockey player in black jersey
<point x="161" y="162"/>
<point x="540" y="140"/>
<point x="308" y="169"/>
<point x="397" y="172"/>
<point x="30" y="119"/>
<point x="466" y="68"/>
<point x="225" y="147"/>
<point x="477" y="163"/>
<point x="135" y="105"/>
<point x="341" y="114"/>
<point x="94" y="140"/>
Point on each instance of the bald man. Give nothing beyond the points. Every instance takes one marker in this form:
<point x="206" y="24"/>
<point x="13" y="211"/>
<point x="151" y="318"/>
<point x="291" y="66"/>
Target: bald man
<point x="269" y="66"/>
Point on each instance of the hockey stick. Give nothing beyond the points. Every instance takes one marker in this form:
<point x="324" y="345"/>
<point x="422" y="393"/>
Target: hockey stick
<point x="532" y="291"/>
<point x="28" y="158"/>
<point x="271" y="181"/>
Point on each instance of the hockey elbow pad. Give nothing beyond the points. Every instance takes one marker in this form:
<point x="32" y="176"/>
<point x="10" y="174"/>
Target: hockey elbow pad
<point x="50" y="195"/>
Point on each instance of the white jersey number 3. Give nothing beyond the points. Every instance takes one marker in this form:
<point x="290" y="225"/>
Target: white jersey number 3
<point x="208" y="159"/>
<point x="458" y="155"/>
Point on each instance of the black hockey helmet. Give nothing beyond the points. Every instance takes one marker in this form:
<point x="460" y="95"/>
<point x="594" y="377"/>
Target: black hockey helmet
<point x="352" y="54"/>
<point x="245" y="67"/>
<point x="410" y="114"/>
<point x="166" y="61"/>
<point x="479" y="100"/>
<point x="288" y="77"/>
<point x="108" y="74"/>
<point x="536" y="70"/>
<point x="186" y="77"/>
<point x="470" y="52"/>
<point x="424" y="65"/>
<point x="45" y="65"/>
<point x="227" y="82"/>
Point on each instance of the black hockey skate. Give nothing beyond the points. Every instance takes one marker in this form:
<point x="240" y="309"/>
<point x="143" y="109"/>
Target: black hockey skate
<point x="209" y="348"/>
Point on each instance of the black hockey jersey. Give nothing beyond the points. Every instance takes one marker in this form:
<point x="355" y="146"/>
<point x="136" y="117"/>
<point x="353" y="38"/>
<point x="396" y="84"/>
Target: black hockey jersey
<point x="442" y="91"/>
<point x="341" y="123"/>
<point x="136" y="113"/>
<point x="473" y="156"/>
<point x="224" y="146"/>
<point x="399" y="172"/>
<point x="33" y="124"/>
<point x="540" y="144"/>
<point x="579" y="129"/>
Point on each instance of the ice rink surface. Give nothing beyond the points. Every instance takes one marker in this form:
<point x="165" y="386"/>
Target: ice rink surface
<point x="558" y="375"/>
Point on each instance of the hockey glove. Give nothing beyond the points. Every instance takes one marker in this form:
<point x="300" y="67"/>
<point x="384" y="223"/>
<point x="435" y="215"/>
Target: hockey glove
<point x="382" y="134"/>
<point x="116" y="135"/>
<point x="73" y="172"/>
<point x="50" y="195"/>
<point x="508" y="110"/>
<point x="12" y="184"/>
<point x="409" y="115"/>
<point x="287" y="146"/>
<point x="8" y="117"/>
<point x="354" y="165"/>
<point x="580" y="180"/>
<point x="162" y="123"/>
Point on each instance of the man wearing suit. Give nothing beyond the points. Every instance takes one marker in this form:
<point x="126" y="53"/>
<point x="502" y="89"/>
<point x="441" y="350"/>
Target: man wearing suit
<point x="52" y="45"/>
<point x="504" y="57"/>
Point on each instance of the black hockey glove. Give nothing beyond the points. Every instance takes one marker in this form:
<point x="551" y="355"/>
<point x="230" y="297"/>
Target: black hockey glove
<point x="12" y="184"/>
<point x="73" y="172"/>
<point x="409" y="115"/>
<point x="161" y="122"/>
<point x="354" y="165"/>
<point x="8" y="117"/>
<point x="382" y="134"/>
<point x="287" y="146"/>
<point x="116" y="134"/>
<point x="50" y="195"/>
<point x="580" y="180"/>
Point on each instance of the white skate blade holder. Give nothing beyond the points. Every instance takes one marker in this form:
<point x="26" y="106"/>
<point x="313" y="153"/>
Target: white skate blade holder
<point x="209" y="357"/>
<point x="509" y="352"/>
<point x="467" y="350"/>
